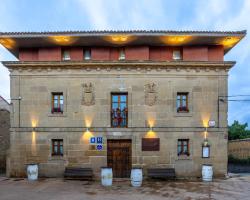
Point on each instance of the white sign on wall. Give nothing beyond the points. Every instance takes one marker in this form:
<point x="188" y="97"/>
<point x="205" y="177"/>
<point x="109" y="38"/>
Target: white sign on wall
<point x="211" y="123"/>
<point x="205" y="151"/>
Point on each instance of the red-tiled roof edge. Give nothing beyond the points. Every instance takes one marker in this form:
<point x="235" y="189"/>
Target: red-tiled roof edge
<point x="242" y="32"/>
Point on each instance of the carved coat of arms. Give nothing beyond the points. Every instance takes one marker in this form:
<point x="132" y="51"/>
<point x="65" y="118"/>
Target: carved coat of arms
<point x="150" y="94"/>
<point x="88" y="97"/>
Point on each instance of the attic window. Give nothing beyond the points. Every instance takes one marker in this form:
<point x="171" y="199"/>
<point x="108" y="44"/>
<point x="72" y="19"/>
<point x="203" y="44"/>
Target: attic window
<point x="87" y="54"/>
<point x="65" y="55"/>
<point x="122" y="54"/>
<point x="177" y="55"/>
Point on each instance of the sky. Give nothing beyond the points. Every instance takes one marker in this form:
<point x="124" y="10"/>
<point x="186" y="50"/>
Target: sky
<point x="61" y="15"/>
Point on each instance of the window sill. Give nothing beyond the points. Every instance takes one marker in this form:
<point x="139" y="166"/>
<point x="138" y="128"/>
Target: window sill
<point x="118" y="127"/>
<point x="57" y="114"/>
<point x="184" y="157"/>
<point x="56" y="157"/>
<point x="183" y="114"/>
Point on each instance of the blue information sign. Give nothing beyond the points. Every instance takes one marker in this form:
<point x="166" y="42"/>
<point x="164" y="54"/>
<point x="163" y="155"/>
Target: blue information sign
<point x="99" y="140"/>
<point x="99" y="147"/>
<point x="92" y="140"/>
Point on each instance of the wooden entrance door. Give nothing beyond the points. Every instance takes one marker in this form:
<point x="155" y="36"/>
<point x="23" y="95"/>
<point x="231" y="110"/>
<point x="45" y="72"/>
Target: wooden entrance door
<point x="119" y="157"/>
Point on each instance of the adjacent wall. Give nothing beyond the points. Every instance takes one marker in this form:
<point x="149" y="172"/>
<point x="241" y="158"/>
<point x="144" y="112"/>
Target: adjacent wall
<point x="4" y="137"/>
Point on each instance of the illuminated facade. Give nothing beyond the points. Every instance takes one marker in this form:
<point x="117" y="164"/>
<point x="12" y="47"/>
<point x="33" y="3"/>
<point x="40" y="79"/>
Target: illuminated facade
<point x="119" y="99"/>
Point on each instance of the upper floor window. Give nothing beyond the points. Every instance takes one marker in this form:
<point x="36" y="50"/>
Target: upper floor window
<point x="65" y="55"/>
<point x="87" y="54"/>
<point x="183" y="147"/>
<point x="177" y="55"/>
<point x="122" y="54"/>
<point x="57" y="102"/>
<point x="182" y="102"/>
<point x="119" y="110"/>
<point x="57" y="147"/>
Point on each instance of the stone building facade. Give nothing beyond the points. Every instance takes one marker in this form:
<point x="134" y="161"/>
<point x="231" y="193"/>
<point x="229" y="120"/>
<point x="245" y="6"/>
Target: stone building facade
<point x="4" y="132"/>
<point x="119" y="99"/>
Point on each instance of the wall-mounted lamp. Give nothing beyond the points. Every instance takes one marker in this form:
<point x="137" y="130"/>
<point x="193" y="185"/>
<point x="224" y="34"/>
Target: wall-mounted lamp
<point x="211" y="123"/>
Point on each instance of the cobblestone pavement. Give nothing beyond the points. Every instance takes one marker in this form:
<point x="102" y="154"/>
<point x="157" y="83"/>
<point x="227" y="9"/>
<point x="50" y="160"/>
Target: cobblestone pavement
<point x="59" y="189"/>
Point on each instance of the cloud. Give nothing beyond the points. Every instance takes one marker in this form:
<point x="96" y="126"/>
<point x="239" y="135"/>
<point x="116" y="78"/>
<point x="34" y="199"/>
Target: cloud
<point x="96" y="12"/>
<point x="123" y="14"/>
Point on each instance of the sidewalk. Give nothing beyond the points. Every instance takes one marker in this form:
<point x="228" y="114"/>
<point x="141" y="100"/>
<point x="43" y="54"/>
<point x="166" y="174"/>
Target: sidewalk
<point x="59" y="189"/>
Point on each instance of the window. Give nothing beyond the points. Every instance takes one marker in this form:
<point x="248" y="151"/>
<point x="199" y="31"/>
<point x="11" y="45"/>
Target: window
<point x="57" y="147"/>
<point x="177" y="55"/>
<point x="57" y="103"/>
<point x="122" y="54"/>
<point x="182" y="102"/>
<point x="87" y="54"/>
<point x="65" y="55"/>
<point x="119" y="111"/>
<point x="183" y="147"/>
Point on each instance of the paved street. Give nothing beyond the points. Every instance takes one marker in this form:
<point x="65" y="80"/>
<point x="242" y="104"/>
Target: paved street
<point x="58" y="189"/>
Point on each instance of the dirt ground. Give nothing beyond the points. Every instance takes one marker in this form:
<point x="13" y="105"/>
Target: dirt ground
<point x="59" y="189"/>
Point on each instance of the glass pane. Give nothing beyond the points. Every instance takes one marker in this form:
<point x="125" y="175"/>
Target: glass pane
<point x="178" y="104"/>
<point x="121" y="55"/>
<point x="55" y="105"/>
<point x="178" y="97"/>
<point x="114" y="98"/>
<point x="184" y="103"/>
<point x="176" y="55"/>
<point x="114" y="105"/>
<point x="66" y="55"/>
<point x="87" y="54"/>
<point x="61" y="149"/>
<point x="122" y="106"/>
<point x="179" y="149"/>
<point x="185" y="149"/>
<point x="55" y="142"/>
<point x="55" y="97"/>
<point x="123" y="98"/>
<point x="55" y="149"/>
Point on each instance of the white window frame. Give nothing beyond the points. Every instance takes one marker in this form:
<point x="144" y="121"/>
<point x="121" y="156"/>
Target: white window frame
<point x="66" y="55"/>
<point x="177" y="55"/>
<point x="87" y="56"/>
<point x="122" y="55"/>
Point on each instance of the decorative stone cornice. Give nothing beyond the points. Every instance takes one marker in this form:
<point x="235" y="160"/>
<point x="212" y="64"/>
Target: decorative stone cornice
<point x="108" y="66"/>
<point x="133" y="130"/>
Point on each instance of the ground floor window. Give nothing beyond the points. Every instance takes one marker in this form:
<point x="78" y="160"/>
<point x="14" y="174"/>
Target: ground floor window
<point x="57" y="147"/>
<point x="183" y="147"/>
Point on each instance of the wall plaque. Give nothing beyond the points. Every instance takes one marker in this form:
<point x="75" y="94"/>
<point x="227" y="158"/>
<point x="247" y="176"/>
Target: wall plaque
<point x="150" y="144"/>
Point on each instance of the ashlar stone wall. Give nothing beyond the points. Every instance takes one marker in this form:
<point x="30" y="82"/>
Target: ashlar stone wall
<point x="35" y="127"/>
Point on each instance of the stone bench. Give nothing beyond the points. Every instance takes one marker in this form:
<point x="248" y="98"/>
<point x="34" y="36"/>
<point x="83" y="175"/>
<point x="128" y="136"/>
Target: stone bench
<point x="161" y="173"/>
<point x="78" y="173"/>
